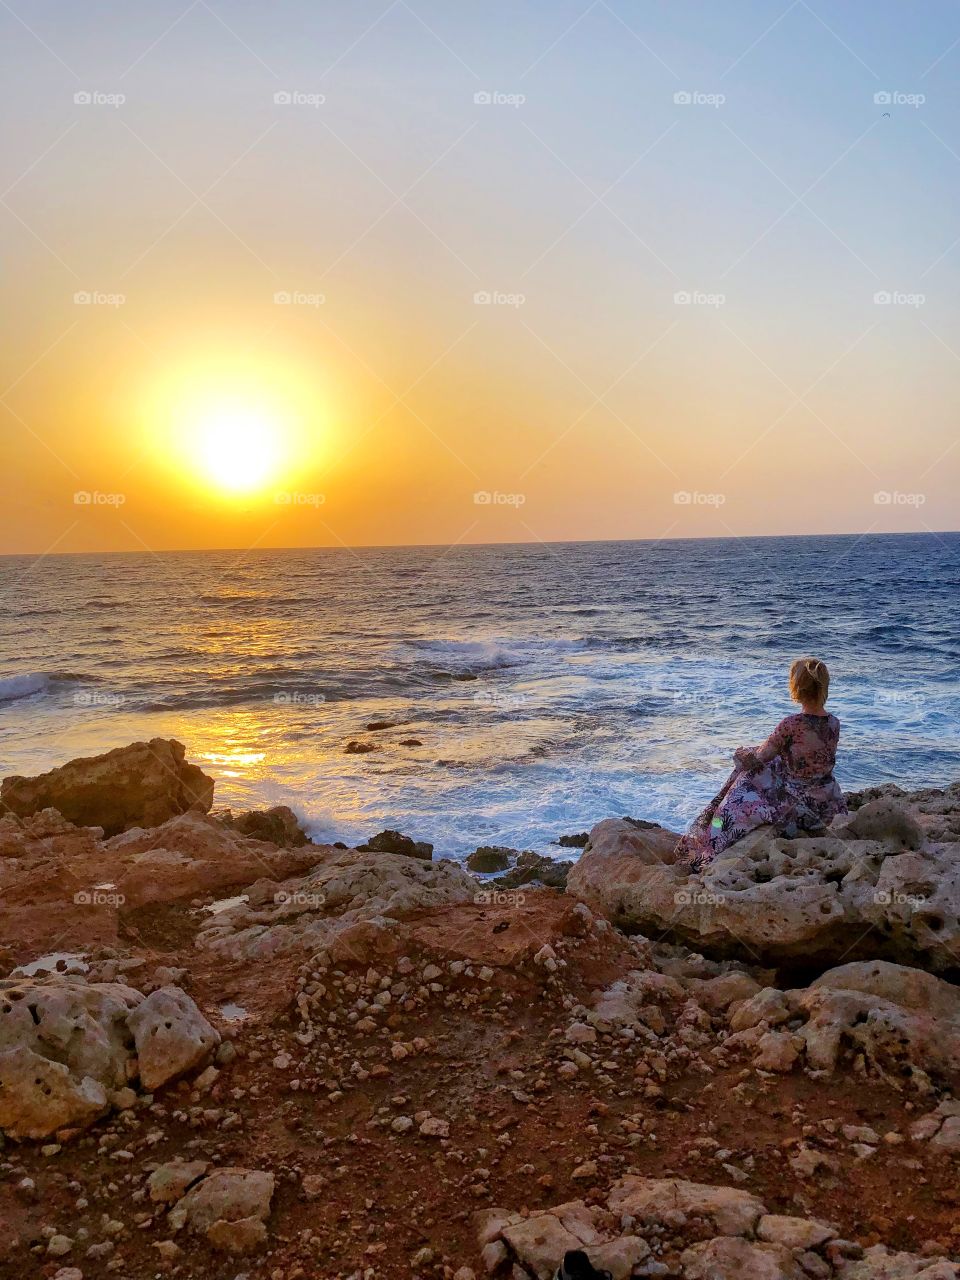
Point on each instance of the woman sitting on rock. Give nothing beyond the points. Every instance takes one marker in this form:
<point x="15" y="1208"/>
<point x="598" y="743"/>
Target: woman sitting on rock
<point x="787" y="781"/>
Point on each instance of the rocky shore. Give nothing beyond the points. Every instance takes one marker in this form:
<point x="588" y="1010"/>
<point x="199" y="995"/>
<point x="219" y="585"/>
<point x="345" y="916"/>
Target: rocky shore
<point x="226" y="1051"/>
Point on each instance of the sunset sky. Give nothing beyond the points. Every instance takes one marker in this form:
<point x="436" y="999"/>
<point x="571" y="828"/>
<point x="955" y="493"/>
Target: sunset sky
<point x="321" y="273"/>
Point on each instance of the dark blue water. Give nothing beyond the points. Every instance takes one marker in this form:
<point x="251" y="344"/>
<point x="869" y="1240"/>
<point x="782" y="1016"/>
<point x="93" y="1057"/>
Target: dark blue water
<point x="549" y="686"/>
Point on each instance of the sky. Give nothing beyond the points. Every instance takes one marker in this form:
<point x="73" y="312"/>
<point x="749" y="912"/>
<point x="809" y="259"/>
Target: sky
<point x="389" y="272"/>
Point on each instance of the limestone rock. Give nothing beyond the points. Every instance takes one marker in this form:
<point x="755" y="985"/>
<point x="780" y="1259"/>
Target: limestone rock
<point x="768" y="899"/>
<point x="64" y="1045"/>
<point x="172" y="1180"/>
<point x="726" y="1258"/>
<point x="656" y="1201"/>
<point x="143" y="784"/>
<point x="171" y="1035"/>
<point x="279" y="826"/>
<point x="394" y="842"/>
<point x="229" y="1206"/>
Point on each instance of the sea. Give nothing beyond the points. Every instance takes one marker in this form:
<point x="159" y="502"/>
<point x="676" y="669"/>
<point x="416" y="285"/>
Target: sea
<point x="532" y="689"/>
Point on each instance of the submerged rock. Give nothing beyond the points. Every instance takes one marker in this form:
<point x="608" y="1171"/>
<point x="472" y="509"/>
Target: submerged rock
<point x="142" y="784"/>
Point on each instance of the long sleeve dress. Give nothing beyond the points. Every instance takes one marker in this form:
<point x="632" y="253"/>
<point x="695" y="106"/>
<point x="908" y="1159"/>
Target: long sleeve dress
<point x="787" y="782"/>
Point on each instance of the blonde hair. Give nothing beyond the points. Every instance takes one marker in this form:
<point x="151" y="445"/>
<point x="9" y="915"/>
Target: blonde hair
<point x="809" y="681"/>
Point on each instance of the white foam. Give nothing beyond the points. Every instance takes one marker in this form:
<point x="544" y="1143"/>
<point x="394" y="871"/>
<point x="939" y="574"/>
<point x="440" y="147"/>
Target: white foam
<point x="23" y="686"/>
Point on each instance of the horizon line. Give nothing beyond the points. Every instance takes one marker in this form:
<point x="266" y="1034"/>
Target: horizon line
<point x="424" y="546"/>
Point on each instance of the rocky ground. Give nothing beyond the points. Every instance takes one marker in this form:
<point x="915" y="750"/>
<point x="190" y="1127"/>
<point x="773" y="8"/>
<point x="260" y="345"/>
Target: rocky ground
<point x="371" y="1064"/>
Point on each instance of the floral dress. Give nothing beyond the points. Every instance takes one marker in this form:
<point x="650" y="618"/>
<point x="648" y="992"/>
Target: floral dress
<point x="787" y="781"/>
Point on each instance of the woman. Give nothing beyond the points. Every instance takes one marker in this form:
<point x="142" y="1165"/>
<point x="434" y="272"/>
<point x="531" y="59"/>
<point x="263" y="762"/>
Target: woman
<point x="787" y="781"/>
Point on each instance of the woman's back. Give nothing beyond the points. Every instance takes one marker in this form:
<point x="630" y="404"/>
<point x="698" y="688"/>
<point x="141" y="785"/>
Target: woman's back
<point x="807" y="744"/>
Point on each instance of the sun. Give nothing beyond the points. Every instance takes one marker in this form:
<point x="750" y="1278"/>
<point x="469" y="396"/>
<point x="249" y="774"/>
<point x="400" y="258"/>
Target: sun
<point x="239" y="450"/>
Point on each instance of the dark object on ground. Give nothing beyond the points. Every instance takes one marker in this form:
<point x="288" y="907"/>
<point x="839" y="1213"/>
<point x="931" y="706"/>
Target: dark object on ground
<point x="574" y="842"/>
<point x="360" y="748"/>
<point x="410" y="742"/>
<point x="338" y="844"/>
<point x="490" y="857"/>
<point x="394" y="842"/>
<point x="376" y="725"/>
<point x="577" y="1266"/>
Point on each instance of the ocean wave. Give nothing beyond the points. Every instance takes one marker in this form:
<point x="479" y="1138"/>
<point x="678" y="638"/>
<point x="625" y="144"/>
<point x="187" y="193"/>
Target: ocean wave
<point x="29" y="683"/>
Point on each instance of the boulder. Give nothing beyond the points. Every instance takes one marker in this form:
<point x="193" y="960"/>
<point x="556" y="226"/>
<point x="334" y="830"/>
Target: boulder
<point x="64" y="1046"/>
<point x="728" y="1258"/>
<point x="873" y="885"/>
<point x="657" y="1201"/>
<point x="171" y="1034"/>
<point x="347" y="887"/>
<point x="881" y="1263"/>
<point x="279" y="826"/>
<point x="229" y="1207"/>
<point x="489" y="858"/>
<point x="905" y="1022"/>
<point x="394" y="842"/>
<point x="171" y="1181"/>
<point x="143" y="784"/>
